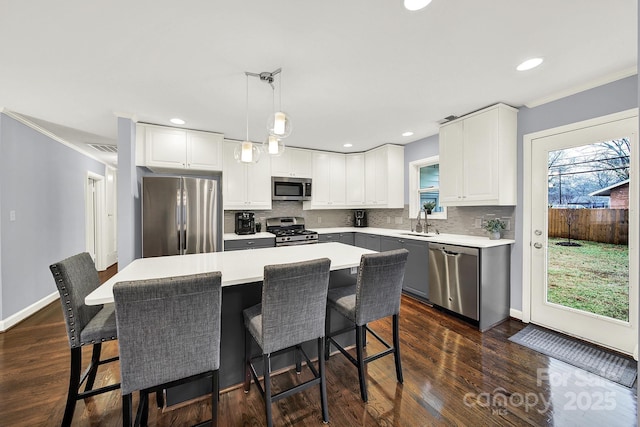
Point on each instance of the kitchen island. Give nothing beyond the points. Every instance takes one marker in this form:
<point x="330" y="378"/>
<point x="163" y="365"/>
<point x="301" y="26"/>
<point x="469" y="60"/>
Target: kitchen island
<point x="242" y="275"/>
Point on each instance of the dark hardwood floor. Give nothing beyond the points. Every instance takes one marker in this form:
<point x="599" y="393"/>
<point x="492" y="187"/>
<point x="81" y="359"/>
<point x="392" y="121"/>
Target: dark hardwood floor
<point x="453" y="375"/>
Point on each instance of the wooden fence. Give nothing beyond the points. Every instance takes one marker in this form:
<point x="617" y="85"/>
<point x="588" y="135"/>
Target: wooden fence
<point x="596" y="225"/>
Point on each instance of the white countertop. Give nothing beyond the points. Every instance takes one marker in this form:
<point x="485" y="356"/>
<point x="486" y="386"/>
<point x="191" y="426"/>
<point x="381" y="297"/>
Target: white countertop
<point x="237" y="267"/>
<point x="451" y="239"/>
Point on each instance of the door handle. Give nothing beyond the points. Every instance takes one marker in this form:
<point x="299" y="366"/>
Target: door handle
<point x="537" y="245"/>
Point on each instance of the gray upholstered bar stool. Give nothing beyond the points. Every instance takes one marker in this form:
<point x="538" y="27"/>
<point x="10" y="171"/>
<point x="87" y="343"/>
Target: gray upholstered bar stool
<point x="168" y="334"/>
<point x="375" y="295"/>
<point x="76" y="277"/>
<point x="294" y="299"/>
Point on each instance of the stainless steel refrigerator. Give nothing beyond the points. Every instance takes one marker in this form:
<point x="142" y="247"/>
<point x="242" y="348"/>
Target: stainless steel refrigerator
<point x="181" y="215"/>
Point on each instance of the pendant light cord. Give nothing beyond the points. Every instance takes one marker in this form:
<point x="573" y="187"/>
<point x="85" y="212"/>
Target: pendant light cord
<point x="247" y="104"/>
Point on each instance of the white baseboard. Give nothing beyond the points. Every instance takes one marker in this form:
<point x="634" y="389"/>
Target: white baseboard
<point x="516" y="314"/>
<point x="28" y="311"/>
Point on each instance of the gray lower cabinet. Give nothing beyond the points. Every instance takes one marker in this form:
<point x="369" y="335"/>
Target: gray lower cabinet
<point x="346" y="238"/>
<point x="416" y="275"/>
<point x="368" y="241"/>
<point x="237" y="245"/>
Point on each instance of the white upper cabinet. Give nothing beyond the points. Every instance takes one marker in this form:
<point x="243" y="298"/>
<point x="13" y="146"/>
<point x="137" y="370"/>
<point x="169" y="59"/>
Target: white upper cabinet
<point x="328" y="180"/>
<point x="478" y="164"/>
<point x="245" y="186"/>
<point x="294" y="162"/>
<point x="354" y="175"/>
<point x="384" y="177"/>
<point x="165" y="148"/>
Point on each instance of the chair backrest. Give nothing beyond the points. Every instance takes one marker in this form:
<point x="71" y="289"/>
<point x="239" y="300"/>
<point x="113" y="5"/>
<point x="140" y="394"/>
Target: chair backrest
<point x="76" y="277"/>
<point x="379" y="285"/>
<point x="168" y="329"/>
<point x="294" y="300"/>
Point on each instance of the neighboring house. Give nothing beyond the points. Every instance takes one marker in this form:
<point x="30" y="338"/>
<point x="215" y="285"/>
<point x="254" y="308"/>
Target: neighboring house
<point x="619" y="194"/>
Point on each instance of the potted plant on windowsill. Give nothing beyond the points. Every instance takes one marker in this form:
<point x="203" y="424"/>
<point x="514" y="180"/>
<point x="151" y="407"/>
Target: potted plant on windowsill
<point x="494" y="227"/>
<point x="429" y="207"/>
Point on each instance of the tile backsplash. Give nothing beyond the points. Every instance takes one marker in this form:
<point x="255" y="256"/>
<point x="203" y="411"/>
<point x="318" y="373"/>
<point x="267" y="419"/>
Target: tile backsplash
<point x="460" y="220"/>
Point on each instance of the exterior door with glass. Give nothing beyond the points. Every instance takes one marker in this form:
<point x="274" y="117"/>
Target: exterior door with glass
<point x="584" y="231"/>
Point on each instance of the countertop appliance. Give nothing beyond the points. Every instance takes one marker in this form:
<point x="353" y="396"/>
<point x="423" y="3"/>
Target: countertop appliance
<point x="453" y="278"/>
<point x="290" y="231"/>
<point x="359" y="218"/>
<point x="245" y="223"/>
<point x="181" y="215"/>
<point x="286" y="188"/>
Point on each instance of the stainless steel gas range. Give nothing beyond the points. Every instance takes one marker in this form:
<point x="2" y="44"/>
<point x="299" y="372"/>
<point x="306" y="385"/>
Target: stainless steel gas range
<point x="290" y="231"/>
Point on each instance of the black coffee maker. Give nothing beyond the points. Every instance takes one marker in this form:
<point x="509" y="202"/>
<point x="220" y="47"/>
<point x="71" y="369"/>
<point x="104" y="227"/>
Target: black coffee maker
<point x="360" y="218"/>
<point x="245" y="223"/>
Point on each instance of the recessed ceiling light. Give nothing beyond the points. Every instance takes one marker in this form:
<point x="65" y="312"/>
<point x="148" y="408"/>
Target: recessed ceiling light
<point x="416" y="4"/>
<point x="529" y="64"/>
<point x="177" y="121"/>
<point x="407" y="133"/>
<point x="347" y="145"/>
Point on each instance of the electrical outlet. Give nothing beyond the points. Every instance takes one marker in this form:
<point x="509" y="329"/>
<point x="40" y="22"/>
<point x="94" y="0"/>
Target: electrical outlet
<point x="354" y="270"/>
<point x="478" y="223"/>
<point x="388" y="220"/>
<point x="319" y="220"/>
<point x="507" y="224"/>
<point x="12" y="215"/>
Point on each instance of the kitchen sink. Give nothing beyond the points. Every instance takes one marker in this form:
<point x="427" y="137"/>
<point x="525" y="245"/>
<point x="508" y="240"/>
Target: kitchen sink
<point x="419" y="234"/>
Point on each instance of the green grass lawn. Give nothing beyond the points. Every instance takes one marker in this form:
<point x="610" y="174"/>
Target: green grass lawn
<point x="593" y="277"/>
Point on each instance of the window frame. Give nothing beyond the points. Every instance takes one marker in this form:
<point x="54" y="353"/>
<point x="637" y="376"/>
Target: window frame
<point x="414" y="188"/>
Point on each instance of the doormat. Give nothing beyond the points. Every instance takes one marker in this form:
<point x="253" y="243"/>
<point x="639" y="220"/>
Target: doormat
<point x="583" y="355"/>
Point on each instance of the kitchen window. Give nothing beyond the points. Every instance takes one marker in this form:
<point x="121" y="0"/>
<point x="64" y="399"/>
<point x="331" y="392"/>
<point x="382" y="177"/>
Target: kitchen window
<point x="424" y="183"/>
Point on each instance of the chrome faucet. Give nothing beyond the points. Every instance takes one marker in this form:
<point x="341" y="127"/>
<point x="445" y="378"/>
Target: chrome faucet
<point x="418" y="224"/>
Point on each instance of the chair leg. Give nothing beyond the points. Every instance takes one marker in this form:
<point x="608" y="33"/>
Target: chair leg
<point x="247" y="360"/>
<point x="267" y="388"/>
<point x="364" y="336"/>
<point x="396" y="347"/>
<point x="323" y="383"/>
<point x="215" y="396"/>
<point x="144" y="408"/>
<point x="93" y="368"/>
<point x="74" y="384"/>
<point x="327" y="334"/>
<point x="159" y="398"/>
<point x="127" y="403"/>
<point x="298" y="359"/>
<point x="360" y="360"/>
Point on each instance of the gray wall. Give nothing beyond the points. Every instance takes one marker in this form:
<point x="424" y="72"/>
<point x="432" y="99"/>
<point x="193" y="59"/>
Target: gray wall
<point x="607" y="99"/>
<point x="129" y="184"/>
<point x="43" y="181"/>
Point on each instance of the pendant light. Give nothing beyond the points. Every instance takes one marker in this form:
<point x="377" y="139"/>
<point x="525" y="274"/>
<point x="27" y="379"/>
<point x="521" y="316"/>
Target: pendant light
<point x="279" y="123"/>
<point x="273" y="145"/>
<point x="246" y="151"/>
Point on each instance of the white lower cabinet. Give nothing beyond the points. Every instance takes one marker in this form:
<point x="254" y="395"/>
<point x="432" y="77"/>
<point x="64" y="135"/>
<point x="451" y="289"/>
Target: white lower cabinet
<point x="245" y="186"/>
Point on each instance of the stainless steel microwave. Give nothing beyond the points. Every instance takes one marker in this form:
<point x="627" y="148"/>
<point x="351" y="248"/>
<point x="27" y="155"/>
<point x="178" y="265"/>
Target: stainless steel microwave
<point x="285" y="188"/>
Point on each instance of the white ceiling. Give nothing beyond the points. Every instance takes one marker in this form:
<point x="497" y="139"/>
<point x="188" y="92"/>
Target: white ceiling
<point x="358" y="71"/>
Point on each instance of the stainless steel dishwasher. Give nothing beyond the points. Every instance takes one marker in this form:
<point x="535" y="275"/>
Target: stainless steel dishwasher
<point x="453" y="278"/>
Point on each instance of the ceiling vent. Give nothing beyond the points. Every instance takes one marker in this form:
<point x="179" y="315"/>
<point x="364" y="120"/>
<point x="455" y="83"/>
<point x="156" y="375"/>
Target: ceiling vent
<point x="447" y="119"/>
<point x="104" y="148"/>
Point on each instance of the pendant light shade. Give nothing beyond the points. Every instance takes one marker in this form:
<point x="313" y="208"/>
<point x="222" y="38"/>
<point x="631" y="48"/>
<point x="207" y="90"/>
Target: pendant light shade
<point x="273" y="146"/>
<point x="279" y="124"/>
<point x="246" y="151"/>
